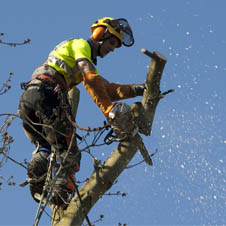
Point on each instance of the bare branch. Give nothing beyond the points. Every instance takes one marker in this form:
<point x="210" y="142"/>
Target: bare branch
<point x="14" y="44"/>
<point x="5" y="87"/>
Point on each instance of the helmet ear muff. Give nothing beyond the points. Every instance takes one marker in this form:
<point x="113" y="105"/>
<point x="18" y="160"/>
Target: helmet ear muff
<point x="98" y="33"/>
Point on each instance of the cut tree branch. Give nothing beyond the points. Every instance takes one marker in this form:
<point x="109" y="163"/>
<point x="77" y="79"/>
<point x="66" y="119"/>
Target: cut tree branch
<point x="103" y="177"/>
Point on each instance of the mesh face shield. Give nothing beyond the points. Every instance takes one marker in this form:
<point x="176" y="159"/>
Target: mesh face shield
<point x="128" y="39"/>
<point x="121" y="29"/>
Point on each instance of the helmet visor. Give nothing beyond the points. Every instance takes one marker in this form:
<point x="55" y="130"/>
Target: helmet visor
<point x="128" y="39"/>
<point x="122" y="25"/>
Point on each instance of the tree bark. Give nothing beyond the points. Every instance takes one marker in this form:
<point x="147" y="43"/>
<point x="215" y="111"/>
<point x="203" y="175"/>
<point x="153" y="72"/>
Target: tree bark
<point x="103" y="178"/>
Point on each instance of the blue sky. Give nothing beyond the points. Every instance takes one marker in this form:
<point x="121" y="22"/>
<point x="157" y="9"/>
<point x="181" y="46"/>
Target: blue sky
<point x="187" y="184"/>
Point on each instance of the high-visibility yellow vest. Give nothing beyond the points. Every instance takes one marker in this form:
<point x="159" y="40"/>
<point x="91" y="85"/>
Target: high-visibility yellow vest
<point x="65" y="56"/>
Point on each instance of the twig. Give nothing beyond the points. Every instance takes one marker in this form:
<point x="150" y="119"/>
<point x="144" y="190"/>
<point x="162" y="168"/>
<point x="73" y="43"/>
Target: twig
<point x="116" y="194"/>
<point x="14" y="44"/>
<point x="6" y="86"/>
<point x="13" y="160"/>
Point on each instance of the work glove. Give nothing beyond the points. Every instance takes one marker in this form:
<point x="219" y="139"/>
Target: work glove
<point x="121" y="120"/>
<point x="138" y="89"/>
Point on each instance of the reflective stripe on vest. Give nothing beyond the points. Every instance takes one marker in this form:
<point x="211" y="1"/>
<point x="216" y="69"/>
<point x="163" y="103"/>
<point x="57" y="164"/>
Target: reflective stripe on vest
<point x="69" y="73"/>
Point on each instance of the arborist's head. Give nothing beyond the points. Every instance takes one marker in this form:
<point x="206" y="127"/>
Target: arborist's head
<point x="111" y="33"/>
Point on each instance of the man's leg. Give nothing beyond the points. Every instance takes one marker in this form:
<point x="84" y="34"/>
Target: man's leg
<point x="38" y="165"/>
<point x="42" y="106"/>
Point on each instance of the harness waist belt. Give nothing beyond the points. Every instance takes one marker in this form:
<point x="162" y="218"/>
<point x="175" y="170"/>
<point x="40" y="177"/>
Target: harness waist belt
<point x="49" y="73"/>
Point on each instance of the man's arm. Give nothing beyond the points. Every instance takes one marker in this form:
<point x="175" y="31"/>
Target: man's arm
<point x="103" y="92"/>
<point x="95" y="85"/>
<point x="85" y="66"/>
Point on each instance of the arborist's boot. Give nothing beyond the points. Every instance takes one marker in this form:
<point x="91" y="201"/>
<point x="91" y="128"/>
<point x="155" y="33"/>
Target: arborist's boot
<point x="37" y="171"/>
<point x="64" y="187"/>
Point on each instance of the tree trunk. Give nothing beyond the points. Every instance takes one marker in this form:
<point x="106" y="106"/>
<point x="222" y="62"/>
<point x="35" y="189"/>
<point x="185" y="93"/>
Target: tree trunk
<point x="103" y="178"/>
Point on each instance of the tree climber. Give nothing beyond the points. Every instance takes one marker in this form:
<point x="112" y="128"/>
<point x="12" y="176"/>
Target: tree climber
<point x="44" y="105"/>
